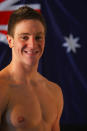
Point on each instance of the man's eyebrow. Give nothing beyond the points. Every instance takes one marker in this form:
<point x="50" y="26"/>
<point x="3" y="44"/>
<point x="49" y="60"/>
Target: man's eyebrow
<point x="41" y="33"/>
<point x="24" y="34"/>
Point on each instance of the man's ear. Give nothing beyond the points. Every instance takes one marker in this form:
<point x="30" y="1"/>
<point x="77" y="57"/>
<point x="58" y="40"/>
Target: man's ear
<point x="10" y="41"/>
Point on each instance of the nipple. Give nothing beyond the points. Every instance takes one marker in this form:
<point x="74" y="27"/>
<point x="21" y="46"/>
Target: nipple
<point x="20" y="119"/>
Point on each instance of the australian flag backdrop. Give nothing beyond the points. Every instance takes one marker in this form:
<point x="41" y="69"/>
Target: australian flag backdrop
<point x="64" y="60"/>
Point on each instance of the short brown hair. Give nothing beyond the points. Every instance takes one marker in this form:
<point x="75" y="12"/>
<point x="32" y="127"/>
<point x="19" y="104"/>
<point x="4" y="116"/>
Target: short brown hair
<point x="22" y="13"/>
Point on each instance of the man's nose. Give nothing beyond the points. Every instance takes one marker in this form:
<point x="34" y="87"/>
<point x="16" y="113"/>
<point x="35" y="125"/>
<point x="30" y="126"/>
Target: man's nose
<point x="32" y="43"/>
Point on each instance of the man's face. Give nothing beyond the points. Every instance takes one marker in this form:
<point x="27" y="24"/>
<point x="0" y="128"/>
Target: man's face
<point x="28" y="41"/>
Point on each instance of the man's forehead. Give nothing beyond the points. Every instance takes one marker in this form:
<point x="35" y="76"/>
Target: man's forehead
<point x="27" y="33"/>
<point x="28" y="27"/>
<point x="34" y="22"/>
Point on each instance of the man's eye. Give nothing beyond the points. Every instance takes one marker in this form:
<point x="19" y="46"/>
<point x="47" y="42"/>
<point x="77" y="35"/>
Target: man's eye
<point x="25" y="37"/>
<point x="38" y="37"/>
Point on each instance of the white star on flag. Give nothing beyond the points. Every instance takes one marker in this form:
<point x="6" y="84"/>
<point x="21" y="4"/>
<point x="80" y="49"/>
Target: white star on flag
<point x="71" y="43"/>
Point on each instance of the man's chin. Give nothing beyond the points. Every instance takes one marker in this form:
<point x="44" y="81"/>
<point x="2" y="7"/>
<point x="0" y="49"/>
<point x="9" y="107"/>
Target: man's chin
<point x="31" y="63"/>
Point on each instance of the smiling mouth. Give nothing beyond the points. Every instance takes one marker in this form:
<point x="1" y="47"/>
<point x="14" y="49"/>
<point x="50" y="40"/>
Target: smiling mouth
<point x="31" y="53"/>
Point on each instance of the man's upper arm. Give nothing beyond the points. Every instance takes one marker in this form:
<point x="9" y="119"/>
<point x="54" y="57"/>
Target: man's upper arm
<point x="60" y="104"/>
<point x="3" y="100"/>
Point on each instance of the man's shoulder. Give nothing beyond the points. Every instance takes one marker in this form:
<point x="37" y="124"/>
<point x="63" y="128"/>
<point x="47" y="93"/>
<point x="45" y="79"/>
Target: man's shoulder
<point x="3" y="75"/>
<point x="3" y="82"/>
<point x="2" y="78"/>
<point x="52" y="86"/>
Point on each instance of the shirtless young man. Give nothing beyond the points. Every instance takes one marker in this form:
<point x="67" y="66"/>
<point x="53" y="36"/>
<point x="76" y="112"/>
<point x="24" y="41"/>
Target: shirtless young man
<point x="28" y="101"/>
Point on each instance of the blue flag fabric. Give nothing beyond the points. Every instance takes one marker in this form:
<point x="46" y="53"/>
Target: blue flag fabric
<point x="64" y="59"/>
<point x="65" y="52"/>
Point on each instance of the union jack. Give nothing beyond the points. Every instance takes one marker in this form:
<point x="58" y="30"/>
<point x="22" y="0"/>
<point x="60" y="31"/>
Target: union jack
<point x="6" y="8"/>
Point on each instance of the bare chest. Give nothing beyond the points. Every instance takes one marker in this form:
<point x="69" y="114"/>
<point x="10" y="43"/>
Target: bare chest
<point x="28" y="108"/>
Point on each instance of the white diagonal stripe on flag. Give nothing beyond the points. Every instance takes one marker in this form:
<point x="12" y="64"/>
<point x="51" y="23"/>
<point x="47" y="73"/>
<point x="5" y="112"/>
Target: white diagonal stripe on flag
<point x="7" y="4"/>
<point x="14" y="7"/>
<point x="3" y="27"/>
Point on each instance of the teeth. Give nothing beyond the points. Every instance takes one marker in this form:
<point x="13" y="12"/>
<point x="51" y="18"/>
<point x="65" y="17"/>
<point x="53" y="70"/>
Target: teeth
<point x="28" y="51"/>
<point x="31" y="52"/>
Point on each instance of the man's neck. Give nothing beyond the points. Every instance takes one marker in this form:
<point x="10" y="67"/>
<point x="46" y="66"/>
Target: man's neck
<point x="22" y="73"/>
